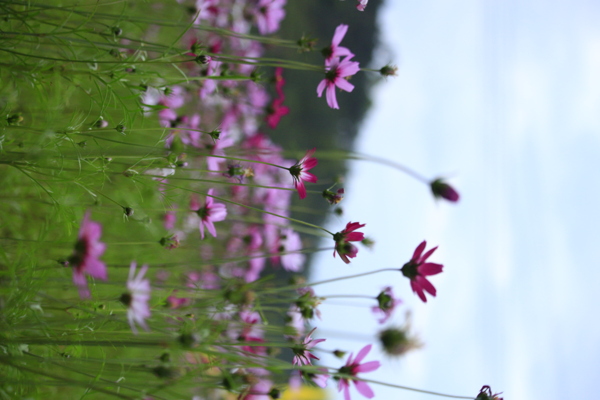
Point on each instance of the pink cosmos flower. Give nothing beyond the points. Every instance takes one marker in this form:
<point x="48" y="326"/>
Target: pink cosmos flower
<point x="85" y="258"/>
<point x="210" y="213"/>
<point x="258" y="391"/>
<point x="335" y="72"/>
<point x="386" y="303"/>
<point x="335" y="50"/>
<point x="362" y="4"/>
<point x="269" y="14"/>
<point x="417" y="269"/>
<point x="301" y="354"/>
<point x="275" y="111"/>
<point x="136" y="298"/>
<point x="291" y="244"/>
<point x="342" y="239"/>
<point x="299" y="173"/>
<point x="352" y="368"/>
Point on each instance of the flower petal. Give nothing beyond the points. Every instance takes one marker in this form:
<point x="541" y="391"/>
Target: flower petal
<point x="425" y="284"/>
<point x="430" y="269"/>
<point x="419" y="251"/>
<point x="364" y="389"/>
<point x="368" y="366"/>
<point x="362" y="353"/>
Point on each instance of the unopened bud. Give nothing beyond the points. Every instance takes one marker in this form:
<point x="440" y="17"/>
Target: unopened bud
<point x="388" y="70"/>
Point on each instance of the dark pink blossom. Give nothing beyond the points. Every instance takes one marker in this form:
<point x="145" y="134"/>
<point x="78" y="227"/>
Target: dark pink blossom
<point x="302" y="355"/>
<point x="85" y="258"/>
<point x="335" y="73"/>
<point x="210" y="213"/>
<point x="417" y="269"/>
<point x="334" y="49"/>
<point x="342" y="239"/>
<point x="352" y="368"/>
<point x="300" y="174"/>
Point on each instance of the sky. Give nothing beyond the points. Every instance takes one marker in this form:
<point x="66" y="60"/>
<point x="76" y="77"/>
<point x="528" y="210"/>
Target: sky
<point x="501" y="98"/>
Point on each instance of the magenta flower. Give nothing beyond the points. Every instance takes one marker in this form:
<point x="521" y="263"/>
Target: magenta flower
<point x="352" y="368"/>
<point x="335" y="73"/>
<point x="136" y="298"/>
<point x="210" y="213"/>
<point x="362" y="4"/>
<point x="299" y="173"/>
<point x="342" y="241"/>
<point x="301" y="354"/>
<point x="417" y="269"/>
<point x="335" y="50"/>
<point x="386" y="303"/>
<point x="85" y="258"/>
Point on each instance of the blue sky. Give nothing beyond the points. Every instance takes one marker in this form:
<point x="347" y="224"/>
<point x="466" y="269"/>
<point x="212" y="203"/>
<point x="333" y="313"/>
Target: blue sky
<point x="503" y="99"/>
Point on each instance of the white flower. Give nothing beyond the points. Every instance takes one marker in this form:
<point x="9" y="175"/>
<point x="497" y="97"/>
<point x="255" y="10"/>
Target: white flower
<point x="136" y="299"/>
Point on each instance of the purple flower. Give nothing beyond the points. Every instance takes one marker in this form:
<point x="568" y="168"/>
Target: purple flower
<point x="362" y="4"/>
<point x="136" y="298"/>
<point x="211" y="212"/>
<point x="335" y="73"/>
<point x="301" y="354"/>
<point x="417" y="269"/>
<point x="352" y="368"/>
<point x="85" y="258"/>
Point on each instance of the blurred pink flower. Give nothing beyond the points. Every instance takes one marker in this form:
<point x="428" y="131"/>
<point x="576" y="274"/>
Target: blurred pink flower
<point x="275" y="111"/>
<point x="136" y="298"/>
<point x="210" y="213"/>
<point x="342" y="239"/>
<point x="301" y="354"/>
<point x="85" y="258"/>
<point x="362" y="4"/>
<point x="269" y="14"/>
<point x="334" y="49"/>
<point x="352" y="368"/>
<point x="335" y="73"/>
<point x="299" y="173"/>
<point x="417" y="269"/>
<point x="386" y="304"/>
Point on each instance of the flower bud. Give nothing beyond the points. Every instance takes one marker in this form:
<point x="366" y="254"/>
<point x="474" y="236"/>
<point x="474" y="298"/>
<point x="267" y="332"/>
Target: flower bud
<point x="203" y="59"/>
<point x="339" y="353"/>
<point x="485" y="393"/>
<point x="441" y="189"/>
<point x="388" y="70"/>
<point x="397" y="342"/>
<point x="14" y="119"/>
<point x="333" y="198"/>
